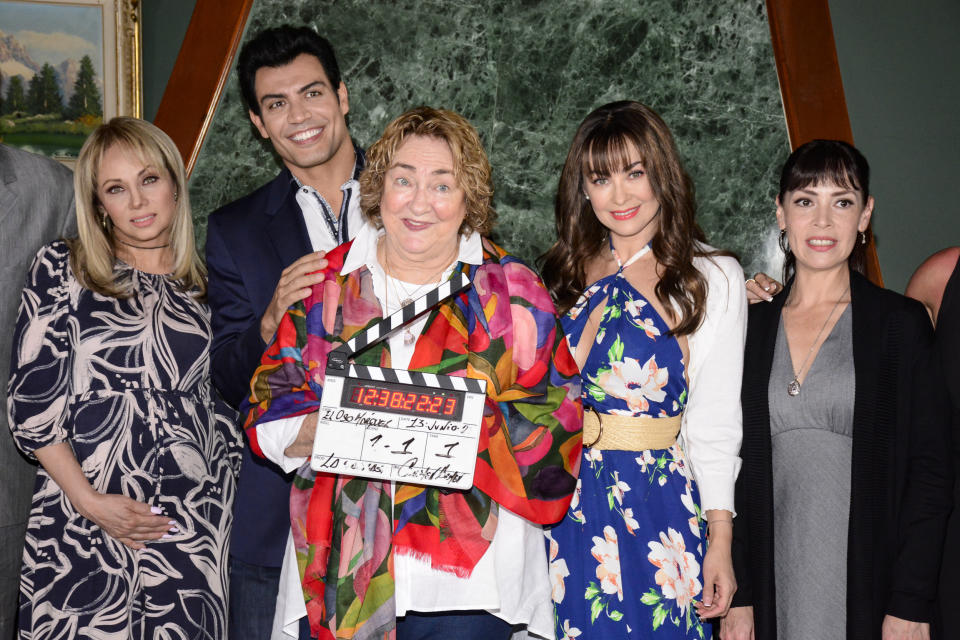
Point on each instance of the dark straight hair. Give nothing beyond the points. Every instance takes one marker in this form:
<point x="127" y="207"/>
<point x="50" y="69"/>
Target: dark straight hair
<point x="818" y="162"/>
<point x="278" y="46"/>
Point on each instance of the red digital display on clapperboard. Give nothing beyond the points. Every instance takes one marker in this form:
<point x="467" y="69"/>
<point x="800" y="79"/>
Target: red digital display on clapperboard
<point x="400" y="398"/>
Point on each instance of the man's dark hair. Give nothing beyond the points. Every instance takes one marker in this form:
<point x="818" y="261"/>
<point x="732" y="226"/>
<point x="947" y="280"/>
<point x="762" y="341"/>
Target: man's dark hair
<point x="278" y="46"/>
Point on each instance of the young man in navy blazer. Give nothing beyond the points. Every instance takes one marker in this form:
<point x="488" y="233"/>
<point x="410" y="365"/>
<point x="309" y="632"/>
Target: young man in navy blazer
<point x="262" y="251"/>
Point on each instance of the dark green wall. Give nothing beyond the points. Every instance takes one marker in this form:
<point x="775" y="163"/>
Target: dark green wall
<point x="526" y="73"/>
<point x="164" y="25"/>
<point x="901" y="64"/>
<point x="709" y="72"/>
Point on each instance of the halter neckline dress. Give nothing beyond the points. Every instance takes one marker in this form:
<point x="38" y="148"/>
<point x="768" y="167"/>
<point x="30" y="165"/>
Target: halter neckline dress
<point x="626" y="561"/>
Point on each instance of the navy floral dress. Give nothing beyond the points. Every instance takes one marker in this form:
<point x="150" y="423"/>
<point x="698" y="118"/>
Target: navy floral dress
<point x="126" y="383"/>
<point x="626" y="561"/>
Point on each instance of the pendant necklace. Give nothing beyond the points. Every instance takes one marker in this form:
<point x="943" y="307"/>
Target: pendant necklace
<point x="406" y="297"/>
<point x="793" y="389"/>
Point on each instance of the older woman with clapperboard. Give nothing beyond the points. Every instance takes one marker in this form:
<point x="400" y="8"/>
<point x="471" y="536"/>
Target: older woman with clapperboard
<point x="378" y="555"/>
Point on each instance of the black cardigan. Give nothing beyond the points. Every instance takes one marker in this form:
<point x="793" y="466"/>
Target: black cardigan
<point x="901" y="472"/>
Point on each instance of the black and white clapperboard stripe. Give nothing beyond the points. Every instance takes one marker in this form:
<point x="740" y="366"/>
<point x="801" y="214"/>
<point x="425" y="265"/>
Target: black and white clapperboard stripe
<point x="338" y="360"/>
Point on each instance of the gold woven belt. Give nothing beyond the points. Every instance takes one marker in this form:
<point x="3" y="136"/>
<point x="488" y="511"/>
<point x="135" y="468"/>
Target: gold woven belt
<point x="629" y="433"/>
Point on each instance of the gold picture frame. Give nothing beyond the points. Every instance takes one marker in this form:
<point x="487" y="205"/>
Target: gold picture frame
<point x="129" y="67"/>
<point x="115" y="50"/>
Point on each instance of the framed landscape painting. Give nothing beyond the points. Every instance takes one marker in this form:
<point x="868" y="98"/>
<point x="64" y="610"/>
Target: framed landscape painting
<point x="65" y="67"/>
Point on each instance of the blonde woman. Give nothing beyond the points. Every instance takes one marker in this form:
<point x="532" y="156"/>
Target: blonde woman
<point x="109" y="390"/>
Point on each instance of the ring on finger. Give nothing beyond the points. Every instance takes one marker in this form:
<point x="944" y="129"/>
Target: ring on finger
<point x="749" y="280"/>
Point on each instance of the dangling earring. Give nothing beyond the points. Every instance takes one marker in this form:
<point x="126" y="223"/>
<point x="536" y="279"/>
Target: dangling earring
<point x="587" y="197"/>
<point x="784" y="243"/>
<point x="863" y="237"/>
<point x="103" y="217"/>
<point x="176" y="194"/>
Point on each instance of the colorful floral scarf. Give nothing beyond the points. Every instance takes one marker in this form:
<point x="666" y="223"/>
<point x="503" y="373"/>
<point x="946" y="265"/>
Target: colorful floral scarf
<point x="503" y="329"/>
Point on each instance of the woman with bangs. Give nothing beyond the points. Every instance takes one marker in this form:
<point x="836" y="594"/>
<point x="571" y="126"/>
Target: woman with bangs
<point x="110" y="392"/>
<point x="656" y="319"/>
<point x="847" y="478"/>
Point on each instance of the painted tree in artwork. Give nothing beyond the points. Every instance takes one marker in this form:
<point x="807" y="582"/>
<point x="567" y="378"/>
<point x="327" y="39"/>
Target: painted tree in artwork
<point x="34" y="97"/>
<point x="85" y="100"/>
<point x="15" y="100"/>
<point x="43" y="94"/>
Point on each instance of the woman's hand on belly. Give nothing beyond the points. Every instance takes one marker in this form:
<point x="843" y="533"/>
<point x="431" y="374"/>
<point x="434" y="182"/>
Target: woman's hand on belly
<point x="125" y="519"/>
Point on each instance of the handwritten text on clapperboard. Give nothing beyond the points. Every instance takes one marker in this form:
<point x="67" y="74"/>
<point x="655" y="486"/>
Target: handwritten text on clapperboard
<point x="392" y="446"/>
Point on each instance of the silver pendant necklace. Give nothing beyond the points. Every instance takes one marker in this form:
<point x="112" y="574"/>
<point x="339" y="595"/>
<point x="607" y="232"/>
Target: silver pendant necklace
<point x="406" y="297"/>
<point x="793" y="388"/>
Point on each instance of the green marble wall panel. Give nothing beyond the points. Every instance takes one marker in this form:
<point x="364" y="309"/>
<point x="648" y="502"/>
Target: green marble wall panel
<point x="526" y="73"/>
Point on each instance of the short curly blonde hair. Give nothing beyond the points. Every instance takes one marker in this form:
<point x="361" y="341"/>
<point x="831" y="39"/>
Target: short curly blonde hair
<point x="471" y="169"/>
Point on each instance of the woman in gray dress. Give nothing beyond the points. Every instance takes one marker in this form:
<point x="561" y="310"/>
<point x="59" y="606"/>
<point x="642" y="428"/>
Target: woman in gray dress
<point x="110" y="391"/>
<point x="846" y="479"/>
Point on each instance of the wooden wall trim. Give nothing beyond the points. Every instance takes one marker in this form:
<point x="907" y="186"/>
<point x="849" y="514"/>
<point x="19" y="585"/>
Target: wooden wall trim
<point x="200" y="73"/>
<point x="810" y="83"/>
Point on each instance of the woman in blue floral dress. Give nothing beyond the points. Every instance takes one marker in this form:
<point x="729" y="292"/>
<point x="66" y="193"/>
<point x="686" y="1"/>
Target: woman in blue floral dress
<point x="656" y="319"/>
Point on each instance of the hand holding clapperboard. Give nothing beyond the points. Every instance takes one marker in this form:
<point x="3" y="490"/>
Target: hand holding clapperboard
<point x="393" y="424"/>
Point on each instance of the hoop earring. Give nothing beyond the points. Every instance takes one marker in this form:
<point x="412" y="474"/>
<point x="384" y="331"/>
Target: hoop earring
<point x="783" y="242"/>
<point x="863" y="237"/>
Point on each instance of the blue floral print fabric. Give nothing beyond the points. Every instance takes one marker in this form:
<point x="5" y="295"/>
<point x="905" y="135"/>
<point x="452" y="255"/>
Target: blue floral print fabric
<point x="626" y="560"/>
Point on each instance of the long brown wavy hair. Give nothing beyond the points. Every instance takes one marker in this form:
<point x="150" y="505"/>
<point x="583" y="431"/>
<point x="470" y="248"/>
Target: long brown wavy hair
<point x="602" y="145"/>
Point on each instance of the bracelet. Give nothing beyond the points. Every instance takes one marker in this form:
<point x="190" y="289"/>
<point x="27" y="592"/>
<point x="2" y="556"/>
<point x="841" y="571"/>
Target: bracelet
<point x="711" y="523"/>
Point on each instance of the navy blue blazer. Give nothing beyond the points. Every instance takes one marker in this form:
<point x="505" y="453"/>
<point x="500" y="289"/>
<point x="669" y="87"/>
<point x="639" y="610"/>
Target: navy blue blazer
<point x="249" y="243"/>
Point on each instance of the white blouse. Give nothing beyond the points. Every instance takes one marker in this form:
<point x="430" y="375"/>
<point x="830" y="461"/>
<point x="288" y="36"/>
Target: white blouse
<point x="712" y="426"/>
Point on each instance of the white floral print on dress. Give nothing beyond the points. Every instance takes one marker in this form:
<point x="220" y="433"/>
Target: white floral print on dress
<point x="607" y="554"/>
<point x="679" y="571"/>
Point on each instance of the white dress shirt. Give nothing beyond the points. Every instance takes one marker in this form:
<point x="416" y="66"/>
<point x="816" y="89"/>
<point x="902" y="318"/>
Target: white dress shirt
<point x="325" y="230"/>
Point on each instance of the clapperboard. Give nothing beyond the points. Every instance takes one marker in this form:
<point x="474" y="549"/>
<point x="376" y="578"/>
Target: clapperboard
<point x="393" y="424"/>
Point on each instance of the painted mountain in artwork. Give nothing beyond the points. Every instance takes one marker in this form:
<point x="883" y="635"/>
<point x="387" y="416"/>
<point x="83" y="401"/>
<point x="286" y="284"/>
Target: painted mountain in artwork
<point x="15" y="60"/>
